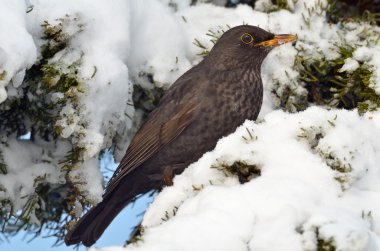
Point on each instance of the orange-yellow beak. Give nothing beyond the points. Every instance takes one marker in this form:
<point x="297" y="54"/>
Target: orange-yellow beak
<point x="278" y="40"/>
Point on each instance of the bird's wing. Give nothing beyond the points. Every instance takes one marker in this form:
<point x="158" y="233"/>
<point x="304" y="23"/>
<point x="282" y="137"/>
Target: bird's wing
<point x="151" y="137"/>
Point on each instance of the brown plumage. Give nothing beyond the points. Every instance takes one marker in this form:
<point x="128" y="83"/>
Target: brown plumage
<point x="206" y="103"/>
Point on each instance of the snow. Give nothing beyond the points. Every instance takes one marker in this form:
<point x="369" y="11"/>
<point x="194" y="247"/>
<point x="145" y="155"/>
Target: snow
<point x="17" y="51"/>
<point x="297" y="192"/>
<point x="350" y="65"/>
<point x="165" y="63"/>
<point x="19" y="40"/>
<point x="20" y="181"/>
<point x="3" y="94"/>
<point x="362" y="54"/>
<point x="319" y="168"/>
<point x="91" y="178"/>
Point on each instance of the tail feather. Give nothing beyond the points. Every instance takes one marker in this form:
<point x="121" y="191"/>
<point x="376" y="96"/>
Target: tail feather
<point x="92" y="225"/>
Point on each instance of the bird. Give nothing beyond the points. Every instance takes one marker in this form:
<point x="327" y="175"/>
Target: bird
<point x="206" y="103"/>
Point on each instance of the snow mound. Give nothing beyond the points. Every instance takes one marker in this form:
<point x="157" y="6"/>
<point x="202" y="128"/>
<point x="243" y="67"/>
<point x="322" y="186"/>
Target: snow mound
<point x="307" y="194"/>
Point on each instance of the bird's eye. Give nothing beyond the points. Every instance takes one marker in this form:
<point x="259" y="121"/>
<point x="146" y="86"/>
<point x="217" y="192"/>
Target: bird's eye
<point x="246" y="38"/>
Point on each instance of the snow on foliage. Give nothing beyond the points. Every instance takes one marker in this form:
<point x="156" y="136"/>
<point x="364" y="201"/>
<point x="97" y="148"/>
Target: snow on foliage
<point x="17" y="50"/>
<point x="67" y="75"/>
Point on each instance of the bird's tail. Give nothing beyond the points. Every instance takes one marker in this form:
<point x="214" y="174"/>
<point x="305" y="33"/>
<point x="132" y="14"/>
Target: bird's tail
<point x="92" y="225"/>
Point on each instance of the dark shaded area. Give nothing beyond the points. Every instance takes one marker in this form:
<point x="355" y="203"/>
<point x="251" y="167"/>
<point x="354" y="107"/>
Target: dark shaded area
<point x="327" y="85"/>
<point x="234" y="3"/>
<point x="244" y="171"/>
<point x="323" y="244"/>
<point x="342" y="10"/>
<point x="146" y="99"/>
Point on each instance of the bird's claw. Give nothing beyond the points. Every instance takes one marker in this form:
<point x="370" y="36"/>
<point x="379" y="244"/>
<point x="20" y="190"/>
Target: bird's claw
<point x="168" y="176"/>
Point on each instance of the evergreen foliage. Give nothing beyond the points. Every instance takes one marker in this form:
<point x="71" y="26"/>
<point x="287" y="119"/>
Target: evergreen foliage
<point x="47" y="88"/>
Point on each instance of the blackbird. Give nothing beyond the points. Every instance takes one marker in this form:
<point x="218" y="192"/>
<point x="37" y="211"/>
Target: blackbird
<point x="206" y="103"/>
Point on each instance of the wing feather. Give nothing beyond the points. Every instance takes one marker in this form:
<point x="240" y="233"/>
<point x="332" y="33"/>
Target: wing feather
<point x="149" y="140"/>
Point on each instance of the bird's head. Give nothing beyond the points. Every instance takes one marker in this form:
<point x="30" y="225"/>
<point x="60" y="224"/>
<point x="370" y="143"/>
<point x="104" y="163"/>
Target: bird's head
<point x="245" y="45"/>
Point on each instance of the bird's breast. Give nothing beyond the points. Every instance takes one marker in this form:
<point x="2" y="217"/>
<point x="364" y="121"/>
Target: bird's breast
<point x="240" y="100"/>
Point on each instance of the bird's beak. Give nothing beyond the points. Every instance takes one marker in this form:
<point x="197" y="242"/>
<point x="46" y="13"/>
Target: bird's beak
<point x="278" y="40"/>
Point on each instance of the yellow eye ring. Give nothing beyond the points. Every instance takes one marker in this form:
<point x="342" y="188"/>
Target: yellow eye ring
<point x="246" y="38"/>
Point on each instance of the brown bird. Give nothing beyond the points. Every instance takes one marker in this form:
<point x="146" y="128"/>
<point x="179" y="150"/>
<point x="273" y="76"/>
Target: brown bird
<point x="206" y="103"/>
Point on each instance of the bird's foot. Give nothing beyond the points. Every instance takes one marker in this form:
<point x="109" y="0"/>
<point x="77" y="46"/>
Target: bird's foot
<point x="168" y="176"/>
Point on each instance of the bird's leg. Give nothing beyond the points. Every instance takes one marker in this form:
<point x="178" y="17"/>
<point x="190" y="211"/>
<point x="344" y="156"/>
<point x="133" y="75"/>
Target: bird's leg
<point x="168" y="175"/>
<point x="168" y="172"/>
